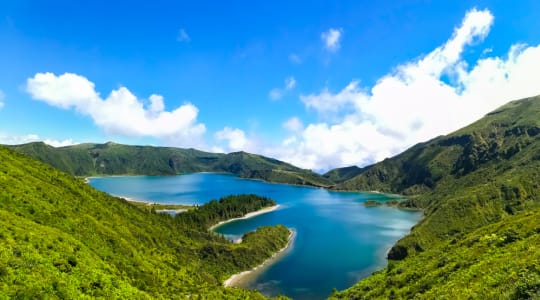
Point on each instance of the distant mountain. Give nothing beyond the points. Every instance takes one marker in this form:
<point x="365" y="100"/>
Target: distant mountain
<point x="341" y="175"/>
<point x="480" y="191"/>
<point x="116" y="159"/>
<point x="62" y="239"/>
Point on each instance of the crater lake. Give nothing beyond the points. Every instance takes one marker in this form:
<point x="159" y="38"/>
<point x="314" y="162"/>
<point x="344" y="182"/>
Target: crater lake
<point x="338" y="240"/>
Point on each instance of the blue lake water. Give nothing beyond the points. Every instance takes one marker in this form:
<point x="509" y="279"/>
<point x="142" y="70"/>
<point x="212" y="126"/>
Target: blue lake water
<point x="338" y="240"/>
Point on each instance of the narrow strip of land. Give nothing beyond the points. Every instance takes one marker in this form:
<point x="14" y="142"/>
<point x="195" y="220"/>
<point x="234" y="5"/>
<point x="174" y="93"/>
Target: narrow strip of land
<point x="235" y="279"/>
<point x="247" y="216"/>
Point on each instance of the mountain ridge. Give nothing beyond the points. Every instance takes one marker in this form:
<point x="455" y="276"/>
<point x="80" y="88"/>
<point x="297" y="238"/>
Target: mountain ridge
<point x="110" y="158"/>
<point x="479" y="188"/>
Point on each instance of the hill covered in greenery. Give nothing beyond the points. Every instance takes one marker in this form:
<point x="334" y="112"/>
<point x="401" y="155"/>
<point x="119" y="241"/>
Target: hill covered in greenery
<point x="116" y="159"/>
<point x="496" y="261"/>
<point x="60" y="238"/>
<point x="341" y="175"/>
<point x="480" y="191"/>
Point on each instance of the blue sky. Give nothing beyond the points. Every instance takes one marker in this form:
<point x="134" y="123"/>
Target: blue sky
<point x="320" y="84"/>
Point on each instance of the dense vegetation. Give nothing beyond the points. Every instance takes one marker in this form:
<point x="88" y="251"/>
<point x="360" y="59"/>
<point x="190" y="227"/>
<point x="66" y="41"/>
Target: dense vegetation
<point x="496" y="261"/>
<point x="115" y="159"/>
<point x="479" y="188"/>
<point x="60" y="238"/>
<point x="226" y="208"/>
<point x="480" y="191"/>
<point x="341" y="175"/>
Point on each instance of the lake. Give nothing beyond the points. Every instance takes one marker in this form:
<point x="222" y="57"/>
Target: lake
<point x="338" y="240"/>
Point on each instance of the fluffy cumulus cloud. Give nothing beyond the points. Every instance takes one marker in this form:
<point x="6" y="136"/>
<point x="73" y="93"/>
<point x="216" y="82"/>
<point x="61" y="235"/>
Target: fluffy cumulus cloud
<point x="415" y="102"/>
<point x="235" y="139"/>
<point x="121" y="112"/>
<point x="278" y="93"/>
<point x="10" y="139"/>
<point x="293" y="124"/>
<point x="326" y="102"/>
<point x="332" y="38"/>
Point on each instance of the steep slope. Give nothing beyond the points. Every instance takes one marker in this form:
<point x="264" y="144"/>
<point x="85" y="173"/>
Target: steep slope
<point x="115" y="159"/>
<point x="341" y="175"/>
<point x="497" y="261"/>
<point x="60" y="238"/>
<point x="493" y="140"/>
<point x="469" y="178"/>
<point x="473" y="183"/>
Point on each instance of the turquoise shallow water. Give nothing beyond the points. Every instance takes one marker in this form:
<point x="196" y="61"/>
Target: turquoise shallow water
<point x="338" y="240"/>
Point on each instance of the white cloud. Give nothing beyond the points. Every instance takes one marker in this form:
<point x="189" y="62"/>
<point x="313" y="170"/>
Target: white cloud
<point x="217" y="149"/>
<point x="275" y="94"/>
<point x="183" y="36"/>
<point x="8" y="139"/>
<point x="293" y="124"/>
<point x="235" y="138"/>
<point x="290" y="83"/>
<point x="278" y="93"/>
<point x="58" y="143"/>
<point x="120" y="112"/>
<point x="413" y="103"/>
<point x="2" y="97"/>
<point x="331" y="39"/>
<point x="326" y="102"/>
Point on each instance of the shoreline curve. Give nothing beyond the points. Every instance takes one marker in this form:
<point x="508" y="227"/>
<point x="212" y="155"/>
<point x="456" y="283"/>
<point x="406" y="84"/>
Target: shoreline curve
<point x="234" y="279"/>
<point x="261" y="211"/>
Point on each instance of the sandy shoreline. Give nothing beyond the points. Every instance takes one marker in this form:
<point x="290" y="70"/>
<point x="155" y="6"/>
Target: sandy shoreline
<point x="171" y="211"/>
<point x="247" y="216"/>
<point x="237" y="278"/>
<point x="87" y="179"/>
<point x="134" y="200"/>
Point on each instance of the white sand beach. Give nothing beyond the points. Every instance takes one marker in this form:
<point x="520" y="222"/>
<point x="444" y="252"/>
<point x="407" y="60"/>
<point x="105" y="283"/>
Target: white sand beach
<point x="247" y="216"/>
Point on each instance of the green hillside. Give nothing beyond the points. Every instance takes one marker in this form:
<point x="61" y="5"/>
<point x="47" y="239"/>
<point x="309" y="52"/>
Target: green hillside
<point x="115" y="159"/>
<point x="253" y="166"/>
<point x="480" y="183"/>
<point x="60" y="238"/>
<point x="341" y="175"/>
<point x="496" y="139"/>
<point x="497" y="261"/>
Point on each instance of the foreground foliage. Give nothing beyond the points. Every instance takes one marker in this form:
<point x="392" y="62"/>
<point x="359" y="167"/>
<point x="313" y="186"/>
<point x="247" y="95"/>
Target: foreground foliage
<point x="60" y="238"/>
<point x="480" y="191"/>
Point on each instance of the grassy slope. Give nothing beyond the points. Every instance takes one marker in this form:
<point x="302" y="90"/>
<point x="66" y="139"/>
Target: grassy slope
<point x="115" y="159"/>
<point x="61" y="238"/>
<point x="482" y="178"/>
